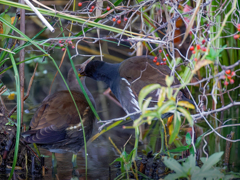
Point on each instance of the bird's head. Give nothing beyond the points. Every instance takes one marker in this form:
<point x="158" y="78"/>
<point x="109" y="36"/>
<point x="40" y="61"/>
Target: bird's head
<point x="91" y="68"/>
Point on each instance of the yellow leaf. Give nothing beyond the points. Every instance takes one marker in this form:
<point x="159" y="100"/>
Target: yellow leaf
<point x="170" y="129"/>
<point x="12" y="19"/>
<point x="186" y="104"/>
<point x="201" y="64"/>
<point x="11" y="96"/>
<point x="161" y="97"/>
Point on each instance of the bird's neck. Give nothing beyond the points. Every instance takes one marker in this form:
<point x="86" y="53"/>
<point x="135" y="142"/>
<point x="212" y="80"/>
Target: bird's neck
<point x="107" y="73"/>
<point x="76" y="87"/>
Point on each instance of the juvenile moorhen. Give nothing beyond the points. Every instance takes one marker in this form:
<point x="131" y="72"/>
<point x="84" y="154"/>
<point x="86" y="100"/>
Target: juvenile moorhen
<point x="56" y="124"/>
<point x="127" y="78"/>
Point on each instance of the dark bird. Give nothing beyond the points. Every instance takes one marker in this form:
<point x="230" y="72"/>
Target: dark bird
<point x="127" y="78"/>
<point x="56" y="124"/>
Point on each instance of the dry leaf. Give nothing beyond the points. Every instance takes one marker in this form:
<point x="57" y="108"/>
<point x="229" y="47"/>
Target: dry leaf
<point x="186" y="104"/>
<point x="201" y="64"/>
<point x="191" y="21"/>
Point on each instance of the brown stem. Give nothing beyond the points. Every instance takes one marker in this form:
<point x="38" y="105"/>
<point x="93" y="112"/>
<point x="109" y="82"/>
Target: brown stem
<point x="22" y="57"/>
<point x="28" y="91"/>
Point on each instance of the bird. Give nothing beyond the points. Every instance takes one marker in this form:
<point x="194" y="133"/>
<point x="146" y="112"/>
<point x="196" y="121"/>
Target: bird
<point x="56" y="124"/>
<point x="126" y="79"/>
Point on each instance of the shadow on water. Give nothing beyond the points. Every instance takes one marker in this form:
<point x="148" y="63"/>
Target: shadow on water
<point x="100" y="152"/>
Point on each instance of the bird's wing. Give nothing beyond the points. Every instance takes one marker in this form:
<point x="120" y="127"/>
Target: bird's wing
<point x="140" y="71"/>
<point x="126" y="97"/>
<point x="54" y="116"/>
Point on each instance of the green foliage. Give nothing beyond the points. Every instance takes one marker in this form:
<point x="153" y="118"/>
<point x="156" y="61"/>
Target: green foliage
<point x="189" y="170"/>
<point x="6" y="29"/>
<point x="125" y="160"/>
<point x="213" y="54"/>
<point x="169" y="106"/>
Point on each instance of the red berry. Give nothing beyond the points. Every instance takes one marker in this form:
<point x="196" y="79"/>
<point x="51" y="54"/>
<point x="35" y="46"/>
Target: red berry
<point x="113" y="19"/>
<point x="60" y="41"/>
<point x="63" y="49"/>
<point x="108" y="8"/>
<point x="155" y="57"/>
<point x="198" y="47"/>
<point x="164" y="63"/>
<point x="70" y="42"/>
<point x="236" y="36"/>
<point x="204" y="49"/>
<point x="157" y="63"/>
<point x="160" y="51"/>
<point x="119" y="21"/>
<point x="80" y="4"/>
<point x="203" y="41"/>
<point x="154" y="60"/>
<point x="229" y="77"/>
<point x="233" y="73"/>
<point x="231" y="81"/>
<point x="161" y="63"/>
<point x="238" y="25"/>
<point x="191" y="48"/>
<point x="195" y="59"/>
<point x="207" y="25"/>
<point x="228" y="71"/>
<point x="125" y="18"/>
<point x="66" y="41"/>
<point x="164" y="59"/>
<point x="224" y="77"/>
<point x="73" y="47"/>
<point x="61" y="45"/>
<point x="238" y="29"/>
<point x="167" y="55"/>
<point x="226" y="83"/>
<point x="90" y="10"/>
<point x="193" y="52"/>
<point x="92" y="7"/>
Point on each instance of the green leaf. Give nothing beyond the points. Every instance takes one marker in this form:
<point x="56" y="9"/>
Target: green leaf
<point x="130" y="155"/>
<point x="209" y="174"/>
<point x="6" y="28"/>
<point x="187" y="115"/>
<point x="177" y="124"/>
<point x="169" y="93"/>
<point x="191" y="150"/>
<point x="198" y="141"/>
<point x="188" y="139"/>
<point x="174" y="176"/>
<point x="212" y="160"/>
<point x="146" y="104"/>
<point x="145" y="91"/>
<point x="189" y="164"/>
<point x="168" y="104"/>
<point x="117" y="160"/>
<point x="173" y="165"/>
<point x="161" y="97"/>
<point x="169" y="80"/>
<point x="179" y="149"/>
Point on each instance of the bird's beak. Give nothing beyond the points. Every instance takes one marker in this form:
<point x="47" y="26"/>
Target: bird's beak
<point x="82" y="72"/>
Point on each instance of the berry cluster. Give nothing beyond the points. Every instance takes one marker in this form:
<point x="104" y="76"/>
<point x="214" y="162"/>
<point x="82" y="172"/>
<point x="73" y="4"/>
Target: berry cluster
<point x="236" y="36"/>
<point x="198" y="47"/>
<point x="90" y="10"/>
<point x="160" y="63"/>
<point x="119" y="19"/>
<point x="63" y="44"/>
<point x="228" y="77"/>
